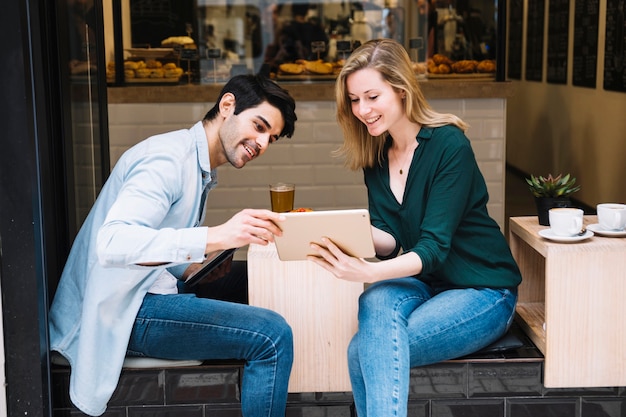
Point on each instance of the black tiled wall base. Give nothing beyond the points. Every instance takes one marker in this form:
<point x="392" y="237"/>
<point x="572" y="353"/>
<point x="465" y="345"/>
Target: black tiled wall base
<point x="450" y="389"/>
<point x="505" y="384"/>
<point x="200" y="391"/>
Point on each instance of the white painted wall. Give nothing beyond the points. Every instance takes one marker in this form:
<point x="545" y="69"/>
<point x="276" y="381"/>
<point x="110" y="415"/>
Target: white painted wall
<point x="322" y="182"/>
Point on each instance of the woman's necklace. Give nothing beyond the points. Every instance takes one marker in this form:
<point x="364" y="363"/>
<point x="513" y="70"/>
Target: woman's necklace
<point x="407" y="158"/>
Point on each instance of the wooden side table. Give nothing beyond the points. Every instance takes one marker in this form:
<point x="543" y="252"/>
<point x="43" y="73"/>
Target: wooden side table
<point x="572" y="304"/>
<point x="321" y="309"/>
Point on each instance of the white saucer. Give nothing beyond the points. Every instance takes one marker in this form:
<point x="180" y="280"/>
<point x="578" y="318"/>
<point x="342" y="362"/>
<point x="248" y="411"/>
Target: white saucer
<point x="549" y="234"/>
<point x="596" y="228"/>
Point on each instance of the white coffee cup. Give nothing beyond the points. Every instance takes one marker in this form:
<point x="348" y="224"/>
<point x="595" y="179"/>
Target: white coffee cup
<point x="612" y="216"/>
<point x="566" y="221"/>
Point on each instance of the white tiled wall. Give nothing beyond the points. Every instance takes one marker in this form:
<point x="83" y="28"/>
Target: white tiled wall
<point x="321" y="181"/>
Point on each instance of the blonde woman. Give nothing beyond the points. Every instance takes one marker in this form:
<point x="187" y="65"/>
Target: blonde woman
<point x="446" y="283"/>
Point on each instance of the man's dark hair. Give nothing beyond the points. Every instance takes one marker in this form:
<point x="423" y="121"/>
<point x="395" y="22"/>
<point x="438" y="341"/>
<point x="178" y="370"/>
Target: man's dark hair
<point x="252" y="90"/>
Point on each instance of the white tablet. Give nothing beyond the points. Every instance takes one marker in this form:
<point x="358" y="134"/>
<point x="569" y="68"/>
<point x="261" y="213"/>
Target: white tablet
<point x="349" y="229"/>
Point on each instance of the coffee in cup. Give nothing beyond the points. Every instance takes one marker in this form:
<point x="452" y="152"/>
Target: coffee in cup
<point x="282" y="196"/>
<point x="612" y="216"/>
<point x="566" y="221"/>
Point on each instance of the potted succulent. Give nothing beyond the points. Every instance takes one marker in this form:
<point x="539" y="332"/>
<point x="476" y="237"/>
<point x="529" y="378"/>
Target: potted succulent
<point x="551" y="192"/>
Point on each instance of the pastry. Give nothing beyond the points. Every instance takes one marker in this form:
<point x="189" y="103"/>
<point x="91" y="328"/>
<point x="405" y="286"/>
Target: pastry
<point x="177" y="40"/>
<point x="153" y="63"/>
<point x="486" y="66"/>
<point x="142" y="73"/>
<point x="130" y="65"/>
<point x="318" y="67"/>
<point x="419" y="67"/>
<point x="173" y="72"/>
<point x="291" y="69"/>
<point x="440" y="69"/>
<point x="440" y="59"/>
<point x="465" y="66"/>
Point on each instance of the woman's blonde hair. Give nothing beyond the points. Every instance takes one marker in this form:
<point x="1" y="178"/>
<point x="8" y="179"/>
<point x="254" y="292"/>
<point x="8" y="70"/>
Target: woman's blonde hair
<point x="391" y="60"/>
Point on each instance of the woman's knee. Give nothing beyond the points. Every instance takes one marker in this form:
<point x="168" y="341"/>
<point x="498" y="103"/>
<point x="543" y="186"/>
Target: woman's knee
<point x="391" y="293"/>
<point x="379" y="294"/>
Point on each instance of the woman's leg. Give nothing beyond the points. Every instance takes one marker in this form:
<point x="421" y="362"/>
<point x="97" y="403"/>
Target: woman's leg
<point x="458" y="322"/>
<point x="183" y="326"/>
<point x="403" y="324"/>
<point x="378" y="355"/>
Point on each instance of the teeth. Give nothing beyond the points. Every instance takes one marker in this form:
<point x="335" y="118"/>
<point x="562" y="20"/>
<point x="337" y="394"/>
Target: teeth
<point x="249" y="150"/>
<point x="370" y="121"/>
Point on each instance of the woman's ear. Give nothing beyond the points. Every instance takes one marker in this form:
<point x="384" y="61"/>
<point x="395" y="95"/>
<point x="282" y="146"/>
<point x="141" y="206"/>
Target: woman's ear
<point x="227" y="104"/>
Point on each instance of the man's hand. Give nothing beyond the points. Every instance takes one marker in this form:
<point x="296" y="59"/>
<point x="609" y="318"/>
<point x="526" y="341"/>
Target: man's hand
<point x="248" y="226"/>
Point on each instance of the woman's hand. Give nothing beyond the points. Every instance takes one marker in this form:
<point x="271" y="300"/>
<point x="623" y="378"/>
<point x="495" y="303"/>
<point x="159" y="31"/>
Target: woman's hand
<point x="343" y="266"/>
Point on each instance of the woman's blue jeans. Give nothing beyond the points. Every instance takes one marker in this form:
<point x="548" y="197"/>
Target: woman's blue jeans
<point x="404" y="323"/>
<point x="183" y="326"/>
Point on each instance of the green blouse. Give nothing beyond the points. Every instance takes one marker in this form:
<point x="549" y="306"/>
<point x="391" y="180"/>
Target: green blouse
<point x="443" y="217"/>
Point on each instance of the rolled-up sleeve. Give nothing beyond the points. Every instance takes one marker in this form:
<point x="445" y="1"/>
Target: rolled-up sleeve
<point x="139" y="226"/>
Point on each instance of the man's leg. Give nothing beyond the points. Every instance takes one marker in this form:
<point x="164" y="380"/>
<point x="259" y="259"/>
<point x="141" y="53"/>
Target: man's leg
<point x="183" y="326"/>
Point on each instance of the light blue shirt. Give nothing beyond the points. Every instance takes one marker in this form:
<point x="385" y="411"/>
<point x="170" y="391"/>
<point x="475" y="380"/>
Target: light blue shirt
<point x="149" y="210"/>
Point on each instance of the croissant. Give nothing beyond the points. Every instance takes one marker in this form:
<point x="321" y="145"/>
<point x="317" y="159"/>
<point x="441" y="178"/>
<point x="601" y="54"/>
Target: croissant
<point x="465" y="66"/>
<point x="488" y="65"/>
<point x="439" y="59"/>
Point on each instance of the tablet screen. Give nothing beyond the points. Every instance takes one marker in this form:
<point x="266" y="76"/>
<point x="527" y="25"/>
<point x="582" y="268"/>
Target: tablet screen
<point x="212" y="262"/>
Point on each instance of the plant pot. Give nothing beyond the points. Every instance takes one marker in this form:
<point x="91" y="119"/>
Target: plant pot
<point x="544" y="204"/>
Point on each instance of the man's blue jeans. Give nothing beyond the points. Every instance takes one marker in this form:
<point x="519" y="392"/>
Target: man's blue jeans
<point x="183" y="326"/>
<point x="404" y="323"/>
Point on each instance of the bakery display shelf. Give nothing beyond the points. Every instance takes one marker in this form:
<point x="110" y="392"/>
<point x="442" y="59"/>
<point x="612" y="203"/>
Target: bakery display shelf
<point x="470" y="76"/>
<point x="152" y="53"/>
<point x="149" y="81"/>
<point x="306" y="77"/>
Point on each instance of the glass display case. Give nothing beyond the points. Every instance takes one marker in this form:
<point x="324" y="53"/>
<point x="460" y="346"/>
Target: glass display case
<point x="207" y="41"/>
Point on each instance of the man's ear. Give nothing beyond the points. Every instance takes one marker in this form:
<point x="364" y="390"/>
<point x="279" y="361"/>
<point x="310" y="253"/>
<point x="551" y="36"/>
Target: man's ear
<point x="227" y="104"/>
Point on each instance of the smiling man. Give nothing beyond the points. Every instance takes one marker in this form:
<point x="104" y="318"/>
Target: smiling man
<point x="119" y="292"/>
